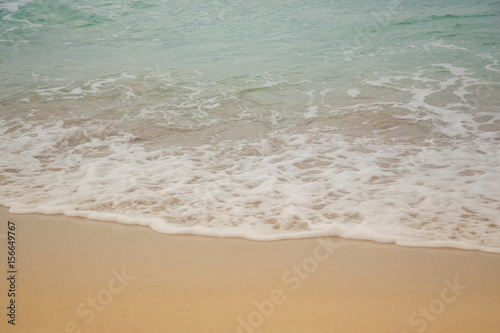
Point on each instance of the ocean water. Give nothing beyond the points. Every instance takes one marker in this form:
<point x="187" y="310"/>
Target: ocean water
<point x="376" y="120"/>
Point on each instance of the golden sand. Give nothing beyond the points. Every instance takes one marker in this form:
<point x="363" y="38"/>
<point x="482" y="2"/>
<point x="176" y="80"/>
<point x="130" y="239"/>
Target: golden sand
<point x="77" y="275"/>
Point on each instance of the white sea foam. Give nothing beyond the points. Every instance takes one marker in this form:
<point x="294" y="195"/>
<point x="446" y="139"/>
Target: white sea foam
<point x="285" y="185"/>
<point x="353" y="92"/>
<point x="13" y="6"/>
<point x="192" y="119"/>
<point x="312" y="112"/>
<point x="419" y="173"/>
<point x="440" y="43"/>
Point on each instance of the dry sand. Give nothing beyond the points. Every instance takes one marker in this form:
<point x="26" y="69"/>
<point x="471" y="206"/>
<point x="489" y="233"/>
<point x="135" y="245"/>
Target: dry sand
<point x="76" y="275"/>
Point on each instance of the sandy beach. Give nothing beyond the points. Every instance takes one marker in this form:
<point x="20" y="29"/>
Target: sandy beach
<point x="77" y="275"/>
<point x="266" y="164"/>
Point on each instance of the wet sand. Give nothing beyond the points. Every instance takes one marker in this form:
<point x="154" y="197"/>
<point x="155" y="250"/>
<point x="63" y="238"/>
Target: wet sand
<point x="77" y="275"/>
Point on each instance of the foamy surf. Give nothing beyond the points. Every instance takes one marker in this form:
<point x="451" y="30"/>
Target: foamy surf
<point x="390" y="135"/>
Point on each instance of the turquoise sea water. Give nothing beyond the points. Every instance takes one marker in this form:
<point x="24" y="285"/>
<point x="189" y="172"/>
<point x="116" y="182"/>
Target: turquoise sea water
<point x="260" y="119"/>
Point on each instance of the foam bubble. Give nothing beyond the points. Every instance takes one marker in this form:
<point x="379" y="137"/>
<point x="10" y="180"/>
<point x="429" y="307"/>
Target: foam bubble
<point x="353" y="92"/>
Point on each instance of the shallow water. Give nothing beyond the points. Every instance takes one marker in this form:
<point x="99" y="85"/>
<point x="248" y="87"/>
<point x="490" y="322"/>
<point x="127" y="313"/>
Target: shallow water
<point x="374" y="120"/>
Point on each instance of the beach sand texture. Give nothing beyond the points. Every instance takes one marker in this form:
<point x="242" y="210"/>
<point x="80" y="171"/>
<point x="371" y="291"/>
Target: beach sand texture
<point x="76" y="275"/>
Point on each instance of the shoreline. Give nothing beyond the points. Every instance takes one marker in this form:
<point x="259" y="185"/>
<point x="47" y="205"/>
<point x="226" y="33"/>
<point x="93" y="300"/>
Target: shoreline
<point x="78" y="275"/>
<point x="341" y="232"/>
